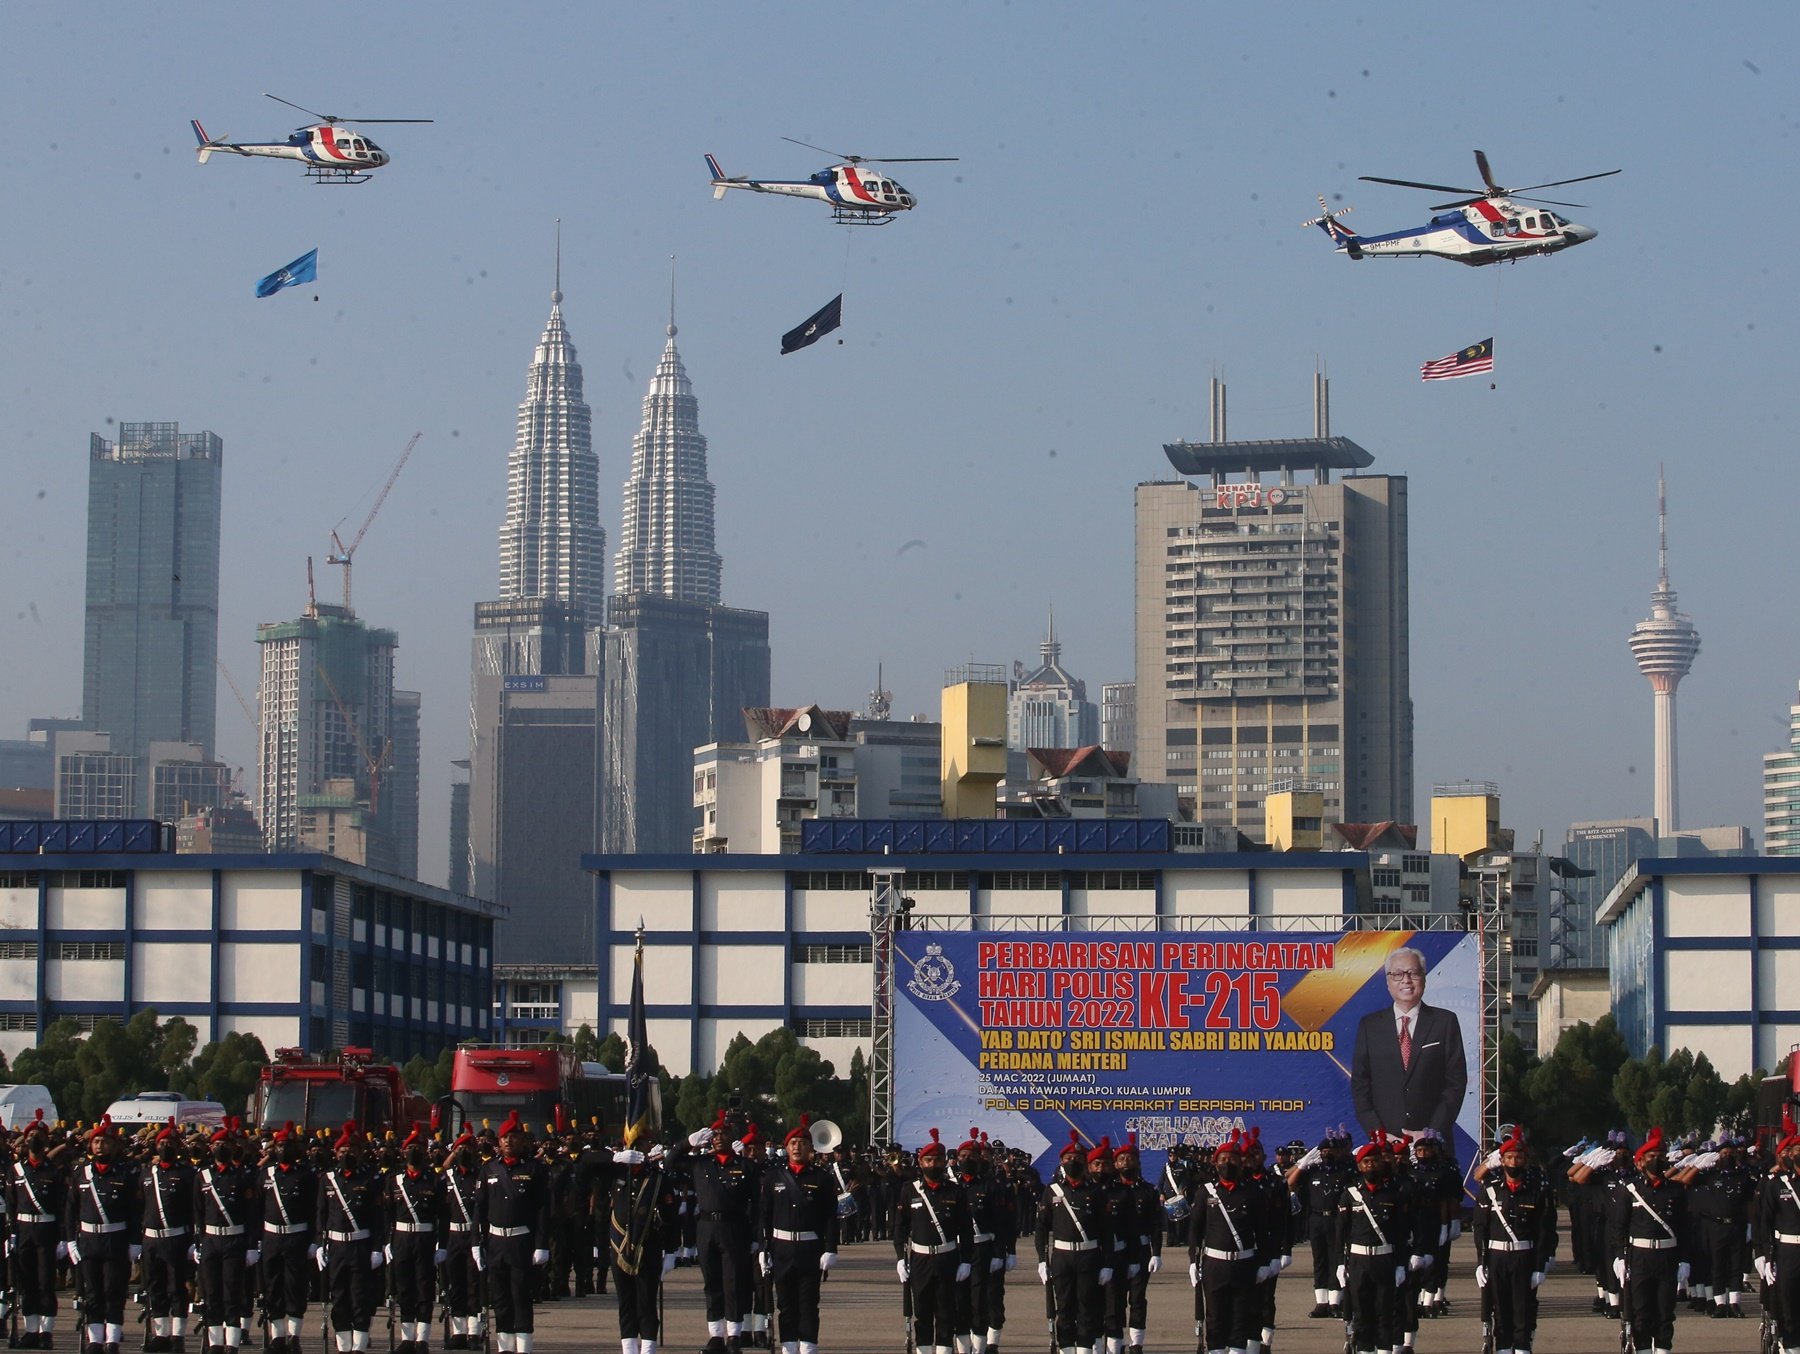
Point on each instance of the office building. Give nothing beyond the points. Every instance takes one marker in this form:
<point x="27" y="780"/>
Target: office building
<point x="1085" y="782"/>
<point x="1665" y="646"/>
<point x="97" y="781"/>
<point x="1118" y="717"/>
<point x="1272" y="636"/>
<point x="400" y="783"/>
<point x="1048" y="708"/>
<point x="1601" y="852"/>
<point x="972" y="758"/>
<point x="152" y="618"/>
<point x="1781" y="793"/>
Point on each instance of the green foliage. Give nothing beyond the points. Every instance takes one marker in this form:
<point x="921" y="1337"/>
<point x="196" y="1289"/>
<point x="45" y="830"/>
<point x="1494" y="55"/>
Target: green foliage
<point x="1739" y="1112"/>
<point x="609" y="1051"/>
<point x="1517" y="1063"/>
<point x="225" y="1070"/>
<point x="1569" y="1095"/>
<point x="1681" y="1093"/>
<point x="430" y="1077"/>
<point x="587" y="1045"/>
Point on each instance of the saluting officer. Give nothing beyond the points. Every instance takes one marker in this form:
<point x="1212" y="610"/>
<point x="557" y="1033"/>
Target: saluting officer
<point x="415" y="1199"/>
<point x="351" y="1230"/>
<point x="1318" y="1180"/>
<point x="1723" y="1200"/>
<point x="725" y="1210"/>
<point x="226" y="1209"/>
<point x="1515" y="1242"/>
<point x="1074" y="1250"/>
<point x="798" y="1222"/>
<point x="103" y="1233"/>
<point x="643" y="1238"/>
<point x="167" y="1210"/>
<point x="1376" y="1224"/>
<point x="995" y="1211"/>
<point x="462" y="1235"/>
<point x="513" y="1209"/>
<point x="290" y="1205"/>
<point x="1647" y="1233"/>
<point x="35" y="1188"/>
<point x="934" y="1245"/>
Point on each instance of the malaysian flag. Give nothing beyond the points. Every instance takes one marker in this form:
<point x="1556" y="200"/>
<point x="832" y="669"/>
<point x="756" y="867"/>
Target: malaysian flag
<point x="1477" y="357"/>
<point x="637" y="1053"/>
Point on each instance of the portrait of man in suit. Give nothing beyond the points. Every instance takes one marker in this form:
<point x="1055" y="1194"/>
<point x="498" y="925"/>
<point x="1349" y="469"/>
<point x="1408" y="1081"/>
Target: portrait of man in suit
<point x="1408" y="1071"/>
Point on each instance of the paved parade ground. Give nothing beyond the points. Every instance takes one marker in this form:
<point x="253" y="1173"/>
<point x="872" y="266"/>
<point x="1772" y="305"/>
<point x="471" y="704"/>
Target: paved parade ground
<point x="861" y="1315"/>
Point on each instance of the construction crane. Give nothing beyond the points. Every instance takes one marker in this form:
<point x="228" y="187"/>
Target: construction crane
<point x="372" y="763"/>
<point x="341" y="553"/>
<point x="237" y="691"/>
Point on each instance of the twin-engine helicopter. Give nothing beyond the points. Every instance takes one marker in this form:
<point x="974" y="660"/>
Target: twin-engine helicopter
<point x="330" y="152"/>
<point x="1490" y="225"/>
<point x="858" y="197"/>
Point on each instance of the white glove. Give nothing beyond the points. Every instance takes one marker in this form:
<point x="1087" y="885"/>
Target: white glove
<point x="312" y="1253"/>
<point x="1536" y="1279"/>
<point x="1132" y="1271"/>
<point x="322" y="1259"/>
<point x="826" y="1260"/>
<point x="1549" y="1264"/>
<point x="440" y="1255"/>
<point x="74" y="1252"/>
<point x="62" y="1250"/>
<point x="1481" y="1276"/>
<point x="1619" y="1269"/>
<point x="540" y="1257"/>
<point x="1106" y="1276"/>
<point x="997" y="1264"/>
<point x="1011" y="1260"/>
<point x="136" y="1252"/>
<point x="700" y="1138"/>
<point x="1154" y="1264"/>
<point x="738" y="1147"/>
<point x="1418" y="1262"/>
<point x="962" y="1272"/>
<point x="376" y="1259"/>
<point x="1444" y="1234"/>
<point x="1343" y="1275"/>
<point x="1399" y="1276"/>
<point x="765" y="1266"/>
<point x="1283" y="1261"/>
<point x="903" y="1270"/>
<point x="474" y="1254"/>
<point x="668" y="1264"/>
<point x="1681" y="1274"/>
<point x="1043" y="1271"/>
<point x="1455" y="1228"/>
<point x="1311" y="1158"/>
<point x="1194" y="1273"/>
<point x="628" y="1156"/>
<point x="387" y="1254"/>
<point x="1766" y="1270"/>
<point x="1262" y="1274"/>
<point x="8" y="1247"/>
<point x="251" y="1256"/>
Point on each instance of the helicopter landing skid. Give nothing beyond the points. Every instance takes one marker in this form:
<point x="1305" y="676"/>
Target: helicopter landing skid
<point x="323" y="174"/>
<point x="850" y="216"/>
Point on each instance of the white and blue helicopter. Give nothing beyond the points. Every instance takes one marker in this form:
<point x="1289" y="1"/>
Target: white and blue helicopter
<point x="1491" y="225"/>
<point x="330" y="155"/>
<point x="858" y="197"/>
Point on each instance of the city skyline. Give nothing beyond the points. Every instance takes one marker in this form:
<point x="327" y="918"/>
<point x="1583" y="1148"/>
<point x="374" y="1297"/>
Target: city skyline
<point x="1017" y="349"/>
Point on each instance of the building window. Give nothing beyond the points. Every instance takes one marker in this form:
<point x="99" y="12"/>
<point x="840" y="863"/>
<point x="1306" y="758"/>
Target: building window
<point x="842" y="881"/>
<point x="19" y="879"/>
<point x="1113" y="879"/>
<point x="87" y="879"/>
<point x="1525" y="947"/>
<point x="18" y="949"/>
<point x="13" y="1021"/>
<point x="856" y="1027"/>
<point x="90" y="949"/>
<point x="1022" y="879"/>
<point x="943" y="881"/>
<point x="834" y="954"/>
<point x="1384" y="877"/>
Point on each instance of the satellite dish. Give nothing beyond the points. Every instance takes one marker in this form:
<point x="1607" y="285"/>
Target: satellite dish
<point x="805" y="722"/>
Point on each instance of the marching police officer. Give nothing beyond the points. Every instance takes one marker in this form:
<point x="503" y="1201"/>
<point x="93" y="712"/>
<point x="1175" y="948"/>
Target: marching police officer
<point x="1139" y="1220"/>
<point x="994" y="1209"/>
<point x="1648" y="1236"/>
<point x="1228" y="1250"/>
<point x="798" y="1222"/>
<point x="351" y="1225"/>
<point x="1075" y="1248"/>
<point x="167" y="1210"/>
<point x="103" y="1233"/>
<point x="290" y="1205"/>
<point x="1777" y="1239"/>
<point x="513" y="1209"/>
<point x="415" y="1200"/>
<point x="1376" y="1225"/>
<point x="934" y="1245"/>
<point x="724" y="1208"/>
<point x="462" y="1279"/>
<point x="35" y="1188"/>
<point x="1515" y="1243"/>
<point x="643" y="1230"/>
<point x="226" y="1209"/>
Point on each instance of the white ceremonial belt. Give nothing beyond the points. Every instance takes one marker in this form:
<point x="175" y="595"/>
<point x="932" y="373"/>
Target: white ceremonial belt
<point x="1212" y="1254"/>
<point x="1666" y="1243"/>
<point x="233" y="1230"/>
<point x="360" y="1234"/>
<point x="1510" y="1245"/>
<point x="103" y="1227"/>
<point x="163" y="1233"/>
<point x="462" y="1227"/>
<point x="780" y="1235"/>
<point x="509" y="1231"/>
<point x="415" y="1227"/>
<point x="1089" y="1245"/>
<point x="1788" y="1238"/>
<point x="1371" y="1250"/>
<point x="286" y="1228"/>
<point x="983" y="1236"/>
<point x="944" y="1249"/>
<point x="34" y="1217"/>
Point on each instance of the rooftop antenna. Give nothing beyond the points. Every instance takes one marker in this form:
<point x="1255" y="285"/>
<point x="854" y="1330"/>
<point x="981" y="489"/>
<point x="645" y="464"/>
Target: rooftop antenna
<point x="556" y="295"/>
<point x="671" y="296"/>
<point x="881" y="700"/>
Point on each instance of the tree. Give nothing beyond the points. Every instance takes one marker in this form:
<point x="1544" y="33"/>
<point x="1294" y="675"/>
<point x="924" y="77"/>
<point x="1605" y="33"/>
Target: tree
<point x="1739" y="1112"/>
<point x="226" y="1070"/>
<point x="587" y="1045"/>
<point x="1571" y="1091"/>
<point x="52" y="1064"/>
<point x="429" y="1077"/>
<point x="610" y="1052"/>
<point x="1517" y="1063"/>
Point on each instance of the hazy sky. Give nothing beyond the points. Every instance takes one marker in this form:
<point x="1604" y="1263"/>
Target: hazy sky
<point x="1125" y="219"/>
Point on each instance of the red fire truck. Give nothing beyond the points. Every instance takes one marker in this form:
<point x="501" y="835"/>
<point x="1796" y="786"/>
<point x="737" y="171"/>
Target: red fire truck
<point x="325" y="1092"/>
<point x="1777" y="1095"/>
<point x="547" y="1086"/>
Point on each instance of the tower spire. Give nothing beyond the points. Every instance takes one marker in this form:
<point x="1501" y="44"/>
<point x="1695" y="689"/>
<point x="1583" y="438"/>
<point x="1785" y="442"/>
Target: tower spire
<point x="1664" y="645"/>
<point x="556" y="295"/>
<point x="671" y="296"/>
<point x="1662" y="532"/>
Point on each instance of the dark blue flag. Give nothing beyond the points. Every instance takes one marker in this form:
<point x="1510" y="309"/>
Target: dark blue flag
<point x="303" y="269"/>
<point x="815" y="326"/>
<point x="637" y="1054"/>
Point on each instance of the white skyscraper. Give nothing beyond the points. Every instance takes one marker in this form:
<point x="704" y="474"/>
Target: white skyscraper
<point x="666" y="533"/>
<point x="1664" y="646"/>
<point x="552" y="547"/>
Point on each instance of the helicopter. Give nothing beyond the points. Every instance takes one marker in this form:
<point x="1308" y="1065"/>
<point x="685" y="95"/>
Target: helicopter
<point x="857" y="196"/>
<point x="1486" y="227"/>
<point x="330" y="155"/>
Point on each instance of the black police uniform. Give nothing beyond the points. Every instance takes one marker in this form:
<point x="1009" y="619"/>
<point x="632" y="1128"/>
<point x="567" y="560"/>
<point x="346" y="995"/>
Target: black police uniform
<point x="290" y="1207"/>
<point x="1648" y="1227"/>
<point x="1777" y="1243"/>
<point x="994" y="1208"/>
<point x="102" y="1221"/>
<point x="643" y="1230"/>
<point x="229" y="1222"/>
<point x="1074" y="1235"/>
<point x="1515" y="1233"/>
<point x="352" y="1229"/>
<point x="167" y="1210"/>
<point x="462" y="1280"/>
<point x="1375" y="1236"/>
<point x="1721" y="1201"/>
<point x="934" y="1235"/>
<point x="724" y="1210"/>
<point x="415" y="1210"/>
<point x="798" y="1222"/>
<point x="35" y="1200"/>
<point x="513" y="1210"/>
<point x="1227" y="1241"/>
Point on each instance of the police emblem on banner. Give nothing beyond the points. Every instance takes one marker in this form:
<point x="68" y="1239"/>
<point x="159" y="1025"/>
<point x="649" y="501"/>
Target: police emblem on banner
<point x="934" y="977"/>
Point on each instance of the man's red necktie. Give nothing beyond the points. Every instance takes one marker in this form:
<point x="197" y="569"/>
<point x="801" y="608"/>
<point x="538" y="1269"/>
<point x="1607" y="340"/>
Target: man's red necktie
<point x="1406" y="1042"/>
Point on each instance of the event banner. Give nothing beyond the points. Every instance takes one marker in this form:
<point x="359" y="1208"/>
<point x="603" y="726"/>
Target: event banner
<point x="1181" y="1037"/>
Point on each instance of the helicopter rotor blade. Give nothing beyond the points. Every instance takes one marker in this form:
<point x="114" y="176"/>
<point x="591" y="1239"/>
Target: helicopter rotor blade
<point x="848" y="159"/>
<point x="1428" y="187"/>
<point x="322" y="117"/>
<point x="1604" y="174"/>
<point x="909" y="159"/>
<point x="374" y="120"/>
<point x="1487" y="175"/>
<point x="1460" y="202"/>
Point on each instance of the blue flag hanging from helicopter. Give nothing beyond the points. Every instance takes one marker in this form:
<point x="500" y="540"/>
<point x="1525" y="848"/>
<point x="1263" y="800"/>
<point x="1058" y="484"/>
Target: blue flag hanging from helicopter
<point x="303" y="269"/>
<point x="637" y="1054"/>
<point x="820" y="323"/>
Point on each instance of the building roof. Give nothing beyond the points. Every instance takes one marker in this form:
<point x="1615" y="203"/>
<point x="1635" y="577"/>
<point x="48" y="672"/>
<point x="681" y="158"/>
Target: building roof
<point x="1092" y="760"/>
<point x="1641" y="874"/>
<point x="1286" y="453"/>
<point x="810" y="720"/>
<point x="1368" y="836"/>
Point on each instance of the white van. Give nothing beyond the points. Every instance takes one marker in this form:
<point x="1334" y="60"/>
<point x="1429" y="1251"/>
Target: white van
<point x="158" y="1107"/>
<point x="19" y="1105"/>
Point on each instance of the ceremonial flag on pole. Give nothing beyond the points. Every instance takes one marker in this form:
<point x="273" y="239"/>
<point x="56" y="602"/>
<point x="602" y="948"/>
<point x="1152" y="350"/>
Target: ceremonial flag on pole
<point x="1477" y="357"/>
<point x="303" y="269"/>
<point x="637" y="1060"/>
<point x="815" y="326"/>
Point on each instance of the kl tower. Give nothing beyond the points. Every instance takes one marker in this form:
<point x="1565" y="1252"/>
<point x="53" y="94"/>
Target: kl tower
<point x="1664" y="646"/>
